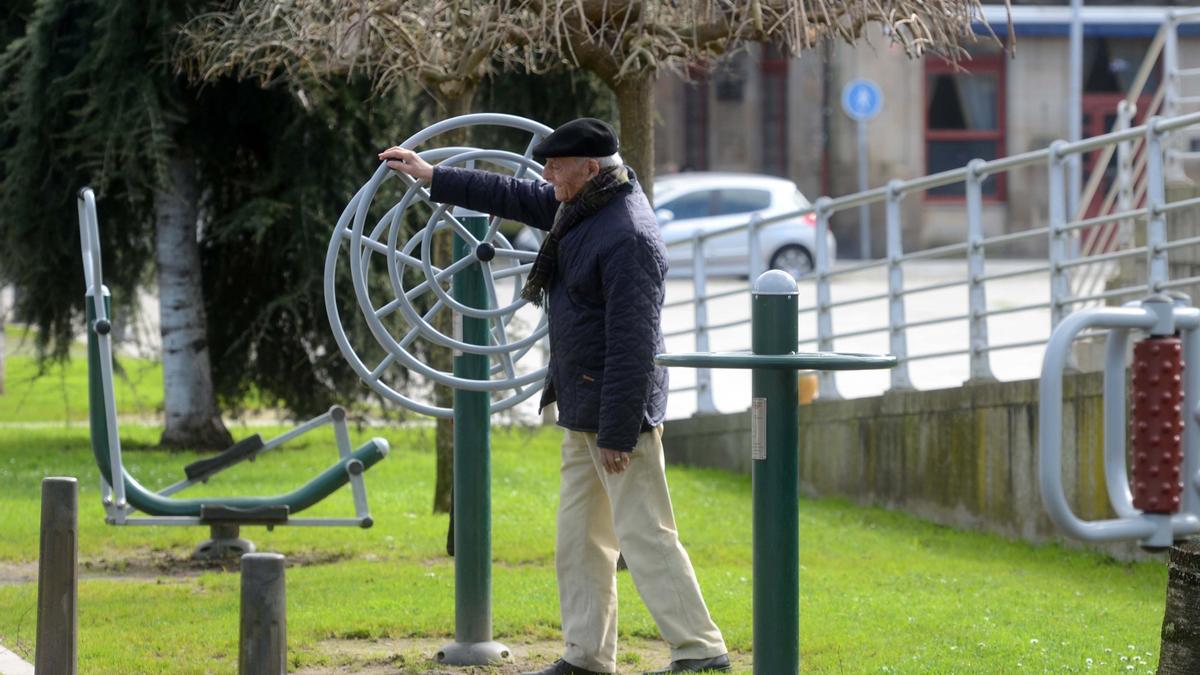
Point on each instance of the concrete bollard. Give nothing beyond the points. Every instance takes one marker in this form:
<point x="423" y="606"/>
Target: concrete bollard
<point x="263" y="637"/>
<point x="58" y="555"/>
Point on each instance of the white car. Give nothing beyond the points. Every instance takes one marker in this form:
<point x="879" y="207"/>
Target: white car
<point x="687" y="202"/>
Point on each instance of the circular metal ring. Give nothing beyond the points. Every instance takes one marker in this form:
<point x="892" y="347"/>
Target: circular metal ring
<point x="488" y="252"/>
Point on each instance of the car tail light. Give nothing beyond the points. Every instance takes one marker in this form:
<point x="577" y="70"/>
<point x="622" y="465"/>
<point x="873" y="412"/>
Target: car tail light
<point x="810" y="219"/>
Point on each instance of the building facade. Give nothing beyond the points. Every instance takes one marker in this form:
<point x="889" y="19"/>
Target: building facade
<point x="758" y="111"/>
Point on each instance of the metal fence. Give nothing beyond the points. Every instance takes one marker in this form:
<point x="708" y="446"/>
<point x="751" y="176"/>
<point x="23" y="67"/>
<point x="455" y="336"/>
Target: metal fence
<point x="1085" y="250"/>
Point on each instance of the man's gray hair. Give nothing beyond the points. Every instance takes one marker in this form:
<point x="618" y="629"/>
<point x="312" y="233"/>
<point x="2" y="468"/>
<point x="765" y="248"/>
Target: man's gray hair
<point x="611" y="160"/>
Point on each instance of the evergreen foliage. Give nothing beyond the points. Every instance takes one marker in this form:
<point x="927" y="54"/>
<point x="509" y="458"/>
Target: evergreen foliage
<point x="89" y="96"/>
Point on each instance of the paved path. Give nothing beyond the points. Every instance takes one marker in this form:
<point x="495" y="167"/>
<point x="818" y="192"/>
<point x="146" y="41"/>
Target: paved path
<point x="11" y="664"/>
<point x="731" y="389"/>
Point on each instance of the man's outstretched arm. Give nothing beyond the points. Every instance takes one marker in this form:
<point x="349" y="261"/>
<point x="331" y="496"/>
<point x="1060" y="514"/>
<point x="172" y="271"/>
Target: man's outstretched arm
<point x="527" y="201"/>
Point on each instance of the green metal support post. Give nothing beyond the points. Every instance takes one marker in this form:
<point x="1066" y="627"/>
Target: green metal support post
<point x="775" y="451"/>
<point x="775" y="437"/>
<point x="473" y="643"/>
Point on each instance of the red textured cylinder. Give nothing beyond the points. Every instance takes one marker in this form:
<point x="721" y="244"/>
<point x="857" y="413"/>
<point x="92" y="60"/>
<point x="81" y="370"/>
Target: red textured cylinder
<point x="1157" y="422"/>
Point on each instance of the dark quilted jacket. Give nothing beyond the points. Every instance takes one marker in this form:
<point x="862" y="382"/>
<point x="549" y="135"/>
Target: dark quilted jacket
<point x="604" y="303"/>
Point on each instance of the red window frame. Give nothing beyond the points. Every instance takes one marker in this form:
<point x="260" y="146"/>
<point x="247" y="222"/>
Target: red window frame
<point x="979" y="64"/>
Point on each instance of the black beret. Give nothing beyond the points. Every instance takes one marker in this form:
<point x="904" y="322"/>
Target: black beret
<point x="584" y="137"/>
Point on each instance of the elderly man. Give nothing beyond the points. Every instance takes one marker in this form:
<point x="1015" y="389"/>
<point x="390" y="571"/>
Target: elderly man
<point x="601" y="274"/>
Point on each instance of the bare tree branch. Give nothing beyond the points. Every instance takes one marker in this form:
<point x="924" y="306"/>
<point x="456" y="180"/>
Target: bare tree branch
<point x="443" y="40"/>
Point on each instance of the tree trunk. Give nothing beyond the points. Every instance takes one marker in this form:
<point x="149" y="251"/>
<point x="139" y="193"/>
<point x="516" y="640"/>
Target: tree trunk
<point x="1180" y="650"/>
<point x="635" y="102"/>
<point x="192" y="419"/>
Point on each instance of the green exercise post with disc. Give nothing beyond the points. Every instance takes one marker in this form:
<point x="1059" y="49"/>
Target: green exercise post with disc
<point x="774" y="448"/>
<point x="473" y="642"/>
<point x="386" y="337"/>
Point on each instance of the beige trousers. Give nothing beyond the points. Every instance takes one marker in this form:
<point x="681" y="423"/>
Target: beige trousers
<point x="601" y="514"/>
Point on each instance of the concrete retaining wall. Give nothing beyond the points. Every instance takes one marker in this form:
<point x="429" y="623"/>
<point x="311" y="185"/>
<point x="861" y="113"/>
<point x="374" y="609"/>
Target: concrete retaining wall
<point x="962" y="457"/>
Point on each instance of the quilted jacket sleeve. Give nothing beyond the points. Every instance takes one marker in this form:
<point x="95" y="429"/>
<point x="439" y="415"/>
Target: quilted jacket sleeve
<point x="633" y="275"/>
<point x="528" y="201"/>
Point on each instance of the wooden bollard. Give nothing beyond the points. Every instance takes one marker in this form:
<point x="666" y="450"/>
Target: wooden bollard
<point x="263" y="642"/>
<point x="58" y="555"/>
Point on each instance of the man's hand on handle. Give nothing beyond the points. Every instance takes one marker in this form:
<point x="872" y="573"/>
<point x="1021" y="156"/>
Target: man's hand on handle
<point x="408" y="162"/>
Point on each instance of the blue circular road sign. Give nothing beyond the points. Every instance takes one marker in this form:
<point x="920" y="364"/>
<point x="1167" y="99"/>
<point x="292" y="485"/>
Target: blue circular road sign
<point x="861" y="99"/>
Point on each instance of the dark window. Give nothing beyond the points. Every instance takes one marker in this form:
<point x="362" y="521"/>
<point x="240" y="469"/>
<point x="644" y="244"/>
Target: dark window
<point x="774" y="111"/>
<point x="962" y="101"/>
<point x="692" y="205"/>
<point x="1110" y="64"/>
<point x="964" y="119"/>
<point x="695" y="121"/>
<point x="741" y="201"/>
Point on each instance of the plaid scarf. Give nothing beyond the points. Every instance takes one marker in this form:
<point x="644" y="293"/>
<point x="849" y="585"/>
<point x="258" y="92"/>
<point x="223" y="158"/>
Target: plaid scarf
<point x="600" y="190"/>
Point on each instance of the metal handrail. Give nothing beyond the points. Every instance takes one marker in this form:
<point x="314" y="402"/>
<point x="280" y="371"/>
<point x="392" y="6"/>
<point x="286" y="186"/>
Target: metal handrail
<point x="1116" y="255"/>
<point x="1181" y="204"/>
<point x="858" y="267"/>
<point x="1015" y="236"/>
<point x="937" y="251"/>
<point x="1015" y="273"/>
<point x="1083" y="249"/>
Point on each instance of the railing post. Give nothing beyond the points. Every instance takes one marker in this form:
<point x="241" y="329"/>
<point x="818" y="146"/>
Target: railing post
<point x="980" y="357"/>
<point x="1125" y="112"/>
<point x="897" y="333"/>
<point x="1057" y="219"/>
<point x="1171" y="92"/>
<point x="757" y="267"/>
<point x="1157" y="271"/>
<point x="827" y="382"/>
<point x="704" y="395"/>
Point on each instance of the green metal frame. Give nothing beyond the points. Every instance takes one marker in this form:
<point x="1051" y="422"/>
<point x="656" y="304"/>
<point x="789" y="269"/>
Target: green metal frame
<point x="473" y="643"/>
<point x="122" y="494"/>
<point x="775" y="444"/>
<point x="152" y="503"/>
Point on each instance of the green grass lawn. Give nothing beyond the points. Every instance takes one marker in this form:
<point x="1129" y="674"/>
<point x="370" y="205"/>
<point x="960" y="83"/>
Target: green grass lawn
<point x="880" y="591"/>
<point x="57" y="392"/>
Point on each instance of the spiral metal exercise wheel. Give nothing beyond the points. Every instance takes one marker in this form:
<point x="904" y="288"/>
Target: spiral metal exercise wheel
<point x="399" y="322"/>
<point x="489" y="339"/>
